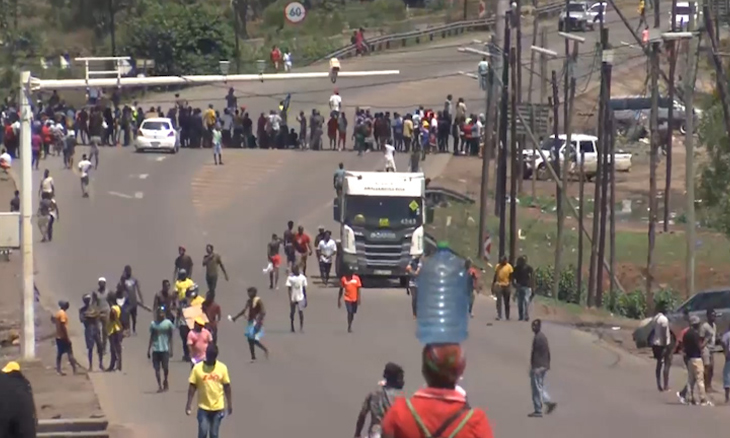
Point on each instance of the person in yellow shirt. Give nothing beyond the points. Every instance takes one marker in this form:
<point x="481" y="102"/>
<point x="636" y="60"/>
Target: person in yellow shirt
<point x="209" y="119"/>
<point x="116" y="334"/>
<point x="211" y="381"/>
<point x="501" y="286"/>
<point x="182" y="284"/>
<point x="407" y="132"/>
<point x="63" y="341"/>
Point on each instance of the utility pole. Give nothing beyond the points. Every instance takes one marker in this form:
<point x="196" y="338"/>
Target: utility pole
<point x="581" y="215"/>
<point x="606" y="157"/>
<point x="486" y="158"/>
<point x="670" y="119"/>
<point x="594" y="274"/>
<point x="653" y="163"/>
<point x="502" y="166"/>
<point x="612" y="209"/>
<point x="112" y="26"/>
<point x="556" y="158"/>
<point x="535" y="28"/>
<point x="237" y="33"/>
<point x="513" y="159"/>
<point x="26" y="210"/>
<point x="518" y="85"/>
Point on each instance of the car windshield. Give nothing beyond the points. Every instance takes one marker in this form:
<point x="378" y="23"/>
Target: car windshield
<point x="381" y="211"/>
<point x="683" y="10"/>
<point x="156" y="126"/>
<point x="576" y="7"/>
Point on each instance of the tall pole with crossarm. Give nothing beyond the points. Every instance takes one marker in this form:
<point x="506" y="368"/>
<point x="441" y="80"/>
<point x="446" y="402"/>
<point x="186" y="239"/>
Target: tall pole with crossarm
<point x="29" y="84"/>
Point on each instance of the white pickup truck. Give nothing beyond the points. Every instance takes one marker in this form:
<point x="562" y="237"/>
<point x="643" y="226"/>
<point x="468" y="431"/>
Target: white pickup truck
<point x="586" y="144"/>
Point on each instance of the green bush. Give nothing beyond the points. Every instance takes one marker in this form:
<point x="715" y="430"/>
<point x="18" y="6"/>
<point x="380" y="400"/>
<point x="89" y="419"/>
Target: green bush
<point x="666" y="299"/>
<point x="180" y="40"/>
<point x="567" y="284"/>
<point x="631" y="305"/>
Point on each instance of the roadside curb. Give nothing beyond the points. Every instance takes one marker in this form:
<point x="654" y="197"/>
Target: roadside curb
<point x="73" y="428"/>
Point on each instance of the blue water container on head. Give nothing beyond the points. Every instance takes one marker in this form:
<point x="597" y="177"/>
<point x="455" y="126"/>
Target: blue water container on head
<point x="442" y="305"/>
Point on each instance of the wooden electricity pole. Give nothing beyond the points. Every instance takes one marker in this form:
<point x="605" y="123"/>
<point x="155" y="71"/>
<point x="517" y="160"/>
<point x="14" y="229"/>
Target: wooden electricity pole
<point x="486" y="158"/>
<point x="690" y="77"/>
<point x="518" y="86"/>
<point x="514" y="174"/>
<point x="653" y="163"/>
<point x="612" y="208"/>
<point x="502" y="147"/>
<point x="670" y="119"/>
<point x="581" y="215"/>
<point x="606" y="158"/>
<point x="556" y="159"/>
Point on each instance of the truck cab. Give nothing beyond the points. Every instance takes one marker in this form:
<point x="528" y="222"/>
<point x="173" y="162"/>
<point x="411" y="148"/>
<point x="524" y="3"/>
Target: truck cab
<point x="381" y="217"/>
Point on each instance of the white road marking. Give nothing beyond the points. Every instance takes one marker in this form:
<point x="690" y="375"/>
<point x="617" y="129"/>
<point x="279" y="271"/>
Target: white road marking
<point x="160" y="158"/>
<point x="121" y="195"/>
<point x="139" y="195"/>
<point x="143" y="176"/>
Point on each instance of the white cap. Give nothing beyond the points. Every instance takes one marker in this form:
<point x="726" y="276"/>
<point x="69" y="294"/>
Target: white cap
<point x="102" y="279"/>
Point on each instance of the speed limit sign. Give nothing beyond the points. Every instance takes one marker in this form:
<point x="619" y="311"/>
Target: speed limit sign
<point x="295" y="12"/>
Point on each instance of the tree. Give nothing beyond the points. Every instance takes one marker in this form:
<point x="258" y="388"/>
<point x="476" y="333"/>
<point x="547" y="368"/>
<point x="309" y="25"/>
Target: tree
<point x="180" y="40"/>
<point x="714" y="181"/>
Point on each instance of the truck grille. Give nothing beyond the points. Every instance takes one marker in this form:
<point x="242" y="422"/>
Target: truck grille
<point x="384" y="254"/>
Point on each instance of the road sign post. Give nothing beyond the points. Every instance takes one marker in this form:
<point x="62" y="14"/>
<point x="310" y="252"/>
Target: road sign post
<point x="295" y="12"/>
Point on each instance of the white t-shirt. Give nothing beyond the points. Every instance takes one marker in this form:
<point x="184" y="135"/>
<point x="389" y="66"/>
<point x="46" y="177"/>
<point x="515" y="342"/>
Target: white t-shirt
<point x="16" y="127"/>
<point x="335" y="102"/>
<point x="389" y="150"/>
<point x="47" y="185"/>
<point x="334" y="63"/>
<point x="661" y="330"/>
<point x="287" y="58"/>
<point x="434" y="122"/>
<point x="297" y="283"/>
<point x="84" y="167"/>
<point x="327" y="250"/>
<point x="6" y="158"/>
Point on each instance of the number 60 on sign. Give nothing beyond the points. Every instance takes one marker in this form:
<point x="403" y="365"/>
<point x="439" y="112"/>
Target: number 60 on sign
<point x="295" y="12"/>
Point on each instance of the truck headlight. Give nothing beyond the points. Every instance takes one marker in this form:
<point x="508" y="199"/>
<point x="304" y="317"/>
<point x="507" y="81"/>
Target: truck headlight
<point x="417" y="242"/>
<point x="348" y="240"/>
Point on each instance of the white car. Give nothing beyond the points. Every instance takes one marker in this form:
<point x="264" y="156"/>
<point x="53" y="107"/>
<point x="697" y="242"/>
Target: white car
<point x="156" y="134"/>
<point x="595" y="11"/>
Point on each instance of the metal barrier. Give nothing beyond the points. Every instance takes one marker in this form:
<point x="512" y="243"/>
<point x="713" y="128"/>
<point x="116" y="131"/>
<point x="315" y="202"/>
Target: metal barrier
<point x="73" y="428"/>
<point x="386" y="42"/>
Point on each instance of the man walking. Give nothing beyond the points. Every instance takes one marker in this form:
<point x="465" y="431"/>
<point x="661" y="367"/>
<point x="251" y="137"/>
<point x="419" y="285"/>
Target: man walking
<point x="501" y="286"/>
<point x="708" y="333"/>
<point x="63" y="341"/>
<point x="159" y="348"/>
<point x="212" y="261"/>
<point x="693" y="345"/>
<point x="539" y="366"/>
<point x="296" y="284"/>
<point x="661" y="349"/>
<point x="133" y="295"/>
<point x="350" y="285"/>
<point x="327" y="252"/>
<point x="211" y="381"/>
<point x="84" y="169"/>
<point x="524" y="281"/>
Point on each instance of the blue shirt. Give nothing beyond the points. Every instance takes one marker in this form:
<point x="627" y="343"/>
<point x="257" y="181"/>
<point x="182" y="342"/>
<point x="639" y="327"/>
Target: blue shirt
<point x="160" y="339"/>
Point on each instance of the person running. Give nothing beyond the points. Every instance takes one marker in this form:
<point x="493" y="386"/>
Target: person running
<point x="539" y="366"/>
<point x="438" y="410"/>
<point x="217" y="145"/>
<point x="133" y="295"/>
<point x="272" y="254"/>
<point x="212" y="261"/>
<point x="198" y="340"/>
<point x="255" y="328"/>
<point x="63" y="341"/>
<point x="115" y="331"/>
<point x="413" y="269"/>
<point x="296" y="283"/>
<point x="378" y="402"/>
<point x="84" y="167"/>
<point x="303" y="248"/>
<point x="327" y="253"/>
<point x="159" y="348"/>
<point x="350" y="285"/>
<point x="288" y="240"/>
<point x="90" y="318"/>
<point x="211" y="381"/>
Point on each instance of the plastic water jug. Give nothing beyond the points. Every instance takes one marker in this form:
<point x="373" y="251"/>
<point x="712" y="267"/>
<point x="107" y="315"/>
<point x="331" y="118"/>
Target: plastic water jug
<point x="442" y="305"/>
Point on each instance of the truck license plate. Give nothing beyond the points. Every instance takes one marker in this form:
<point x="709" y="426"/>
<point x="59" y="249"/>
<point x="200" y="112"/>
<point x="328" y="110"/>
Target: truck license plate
<point x="382" y="272"/>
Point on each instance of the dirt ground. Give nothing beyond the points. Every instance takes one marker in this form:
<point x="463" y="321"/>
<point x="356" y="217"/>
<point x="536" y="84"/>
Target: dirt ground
<point x="70" y="396"/>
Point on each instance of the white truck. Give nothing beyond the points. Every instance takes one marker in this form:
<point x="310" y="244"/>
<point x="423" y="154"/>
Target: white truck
<point x="381" y="217"/>
<point x="585" y="144"/>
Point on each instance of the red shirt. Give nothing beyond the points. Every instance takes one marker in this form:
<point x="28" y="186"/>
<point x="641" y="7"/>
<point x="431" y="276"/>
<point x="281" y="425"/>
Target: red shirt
<point x="301" y="242"/>
<point x="36" y="142"/>
<point x="275" y="55"/>
<point x="434" y="406"/>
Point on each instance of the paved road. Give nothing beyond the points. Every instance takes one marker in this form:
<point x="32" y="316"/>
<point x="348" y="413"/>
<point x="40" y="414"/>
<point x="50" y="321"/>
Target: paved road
<point x="143" y="206"/>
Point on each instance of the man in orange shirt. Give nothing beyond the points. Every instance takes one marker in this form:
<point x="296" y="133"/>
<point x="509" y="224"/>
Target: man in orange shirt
<point x="438" y="410"/>
<point x="303" y="248"/>
<point x="63" y="341"/>
<point x="350" y="284"/>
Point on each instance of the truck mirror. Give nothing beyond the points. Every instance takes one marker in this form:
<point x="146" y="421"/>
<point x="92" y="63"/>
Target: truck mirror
<point x="336" y="210"/>
<point x="430" y="212"/>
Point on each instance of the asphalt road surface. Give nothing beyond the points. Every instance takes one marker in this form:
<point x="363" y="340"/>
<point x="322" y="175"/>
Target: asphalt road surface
<point x="143" y="206"/>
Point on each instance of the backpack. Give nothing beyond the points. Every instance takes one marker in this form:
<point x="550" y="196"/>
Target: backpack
<point x="445" y="425"/>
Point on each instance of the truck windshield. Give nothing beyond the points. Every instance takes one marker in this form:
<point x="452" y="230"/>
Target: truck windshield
<point x="382" y="211"/>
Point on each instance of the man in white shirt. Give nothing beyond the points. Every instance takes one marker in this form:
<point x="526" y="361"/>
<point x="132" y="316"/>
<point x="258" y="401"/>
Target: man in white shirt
<point x="6" y="161"/>
<point x="297" y="285"/>
<point x="388" y="153"/>
<point x="287" y="61"/>
<point x="662" y="350"/>
<point x="84" y="168"/>
<point x="47" y="189"/>
<point x="326" y="251"/>
<point x="336" y="102"/>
